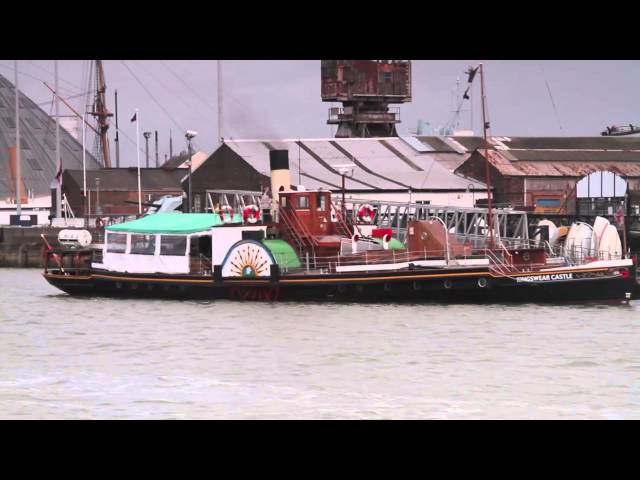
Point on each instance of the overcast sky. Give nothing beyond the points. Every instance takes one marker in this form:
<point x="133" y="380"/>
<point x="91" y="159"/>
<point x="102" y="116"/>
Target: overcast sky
<point x="281" y="99"/>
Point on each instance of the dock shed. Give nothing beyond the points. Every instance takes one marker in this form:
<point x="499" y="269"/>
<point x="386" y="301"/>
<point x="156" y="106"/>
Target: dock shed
<point x="542" y="174"/>
<point x="390" y="168"/>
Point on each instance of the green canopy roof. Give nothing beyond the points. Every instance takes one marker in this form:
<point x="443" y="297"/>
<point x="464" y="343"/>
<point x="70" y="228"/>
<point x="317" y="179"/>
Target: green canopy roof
<point x="169" y="223"/>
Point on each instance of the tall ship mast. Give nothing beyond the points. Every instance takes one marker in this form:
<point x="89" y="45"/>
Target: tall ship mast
<point x="101" y="113"/>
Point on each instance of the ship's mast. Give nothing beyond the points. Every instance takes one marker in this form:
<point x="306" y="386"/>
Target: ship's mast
<point x="101" y="113"/>
<point x="485" y="126"/>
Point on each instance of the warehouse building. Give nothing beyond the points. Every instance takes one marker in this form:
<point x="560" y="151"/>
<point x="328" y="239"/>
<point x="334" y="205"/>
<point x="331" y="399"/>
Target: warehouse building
<point x="386" y="169"/>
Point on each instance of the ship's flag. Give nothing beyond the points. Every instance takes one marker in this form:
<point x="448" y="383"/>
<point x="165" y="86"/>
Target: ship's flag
<point x="619" y="216"/>
<point x="135" y="117"/>
<point x="472" y="73"/>
<point x="57" y="180"/>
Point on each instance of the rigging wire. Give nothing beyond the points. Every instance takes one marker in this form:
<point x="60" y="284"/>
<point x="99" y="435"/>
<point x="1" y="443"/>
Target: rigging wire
<point x="25" y="74"/>
<point x="53" y="75"/>
<point x="155" y="100"/>
<point x="553" y="103"/>
<point x="189" y="107"/>
<point x="190" y="89"/>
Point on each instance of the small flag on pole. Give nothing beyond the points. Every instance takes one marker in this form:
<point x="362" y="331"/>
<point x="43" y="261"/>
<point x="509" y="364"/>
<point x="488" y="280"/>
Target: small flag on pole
<point x="135" y="117"/>
<point x="619" y="216"/>
<point x="57" y="179"/>
<point x="472" y="73"/>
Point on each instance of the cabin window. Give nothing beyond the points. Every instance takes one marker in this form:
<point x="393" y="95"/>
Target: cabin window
<point x="116" y="242"/>
<point x="303" y="202"/>
<point x="143" y="244"/>
<point x="384" y="77"/>
<point x="283" y="201"/>
<point x="322" y="204"/>
<point x="548" y="202"/>
<point x="173" y="245"/>
<point x="201" y="246"/>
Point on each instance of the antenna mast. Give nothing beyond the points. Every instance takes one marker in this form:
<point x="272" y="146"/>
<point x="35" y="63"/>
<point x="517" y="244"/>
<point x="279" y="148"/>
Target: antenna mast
<point x="101" y="114"/>
<point x="485" y="126"/>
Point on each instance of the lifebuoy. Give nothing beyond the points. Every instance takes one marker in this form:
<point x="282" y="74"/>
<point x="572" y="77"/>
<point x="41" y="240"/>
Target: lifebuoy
<point x="366" y="213"/>
<point x="251" y="214"/>
<point x="226" y="209"/>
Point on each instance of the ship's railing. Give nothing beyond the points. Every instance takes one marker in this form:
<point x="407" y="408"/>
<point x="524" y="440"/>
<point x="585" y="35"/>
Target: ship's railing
<point x="458" y="220"/>
<point x="578" y="255"/>
<point x="403" y="258"/>
<point x="501" y="260"/>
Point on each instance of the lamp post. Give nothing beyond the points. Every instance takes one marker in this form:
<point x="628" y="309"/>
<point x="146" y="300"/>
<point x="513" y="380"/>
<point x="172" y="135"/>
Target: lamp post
<point x="146" y="136"/>
<point x="473" y="194"/>
<point x="343" y="170"/>
<point x="189" y="136"/>
<point x="98" y="207"/>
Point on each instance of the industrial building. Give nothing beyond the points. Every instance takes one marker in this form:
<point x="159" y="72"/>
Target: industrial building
<point x="543" y="174"/>
<point x="388" y="169"/>
<point x="113" y="192"/>
<point x="38" y="155"/>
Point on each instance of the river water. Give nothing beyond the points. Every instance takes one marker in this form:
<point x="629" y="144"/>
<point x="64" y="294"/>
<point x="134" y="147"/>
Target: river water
<point x="66" y="357"/>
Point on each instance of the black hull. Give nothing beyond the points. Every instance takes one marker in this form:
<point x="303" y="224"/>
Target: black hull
<point x="469" y="285"/>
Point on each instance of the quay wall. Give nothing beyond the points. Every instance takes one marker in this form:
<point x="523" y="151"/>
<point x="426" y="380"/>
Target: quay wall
<point x="22" y="247"/>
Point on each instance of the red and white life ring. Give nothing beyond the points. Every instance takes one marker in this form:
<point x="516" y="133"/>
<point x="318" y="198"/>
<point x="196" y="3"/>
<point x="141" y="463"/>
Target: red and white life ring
<point x="366" y="213"/>
<point x="251" y="213"/>
<point x="228" y="210"/>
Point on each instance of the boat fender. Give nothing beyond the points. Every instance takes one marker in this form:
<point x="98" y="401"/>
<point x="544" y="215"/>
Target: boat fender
<point x="366" y="213"/>
<point x="251" y="214"/>
<point x="354" y="243"/>
<point x="385" y="241"/>
<point x="228" y="210"/>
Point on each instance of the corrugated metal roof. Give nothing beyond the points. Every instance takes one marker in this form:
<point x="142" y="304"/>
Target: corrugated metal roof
<point x="548" y="167"/>
<point x="575" y="155"/>
<point x="37" y="134"/>
<point x="381" y="164"/>
<point x="574" y="143"/>
<point x="440" y="144"/>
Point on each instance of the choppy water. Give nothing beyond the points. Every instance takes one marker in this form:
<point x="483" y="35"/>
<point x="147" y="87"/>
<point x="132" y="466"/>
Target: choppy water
<point x="65" y="357"/>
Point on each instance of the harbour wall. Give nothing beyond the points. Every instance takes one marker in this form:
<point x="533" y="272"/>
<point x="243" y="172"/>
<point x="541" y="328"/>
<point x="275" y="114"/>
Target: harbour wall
<point x="22" y="247"/>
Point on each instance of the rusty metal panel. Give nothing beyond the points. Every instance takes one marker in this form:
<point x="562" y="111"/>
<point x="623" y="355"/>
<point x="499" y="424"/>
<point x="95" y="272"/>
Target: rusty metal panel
<point x="348" y="80"/>
<point x="577" y="155"/>
<point x="573" y="143"/>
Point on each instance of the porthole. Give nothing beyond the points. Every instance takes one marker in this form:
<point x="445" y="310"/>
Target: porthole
<point x="482" y="282"/>
<point x="448" y="284"/>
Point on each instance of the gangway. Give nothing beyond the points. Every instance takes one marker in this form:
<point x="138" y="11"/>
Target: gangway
<point x="236" y="199"/>
<point x="462" y="221"/>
